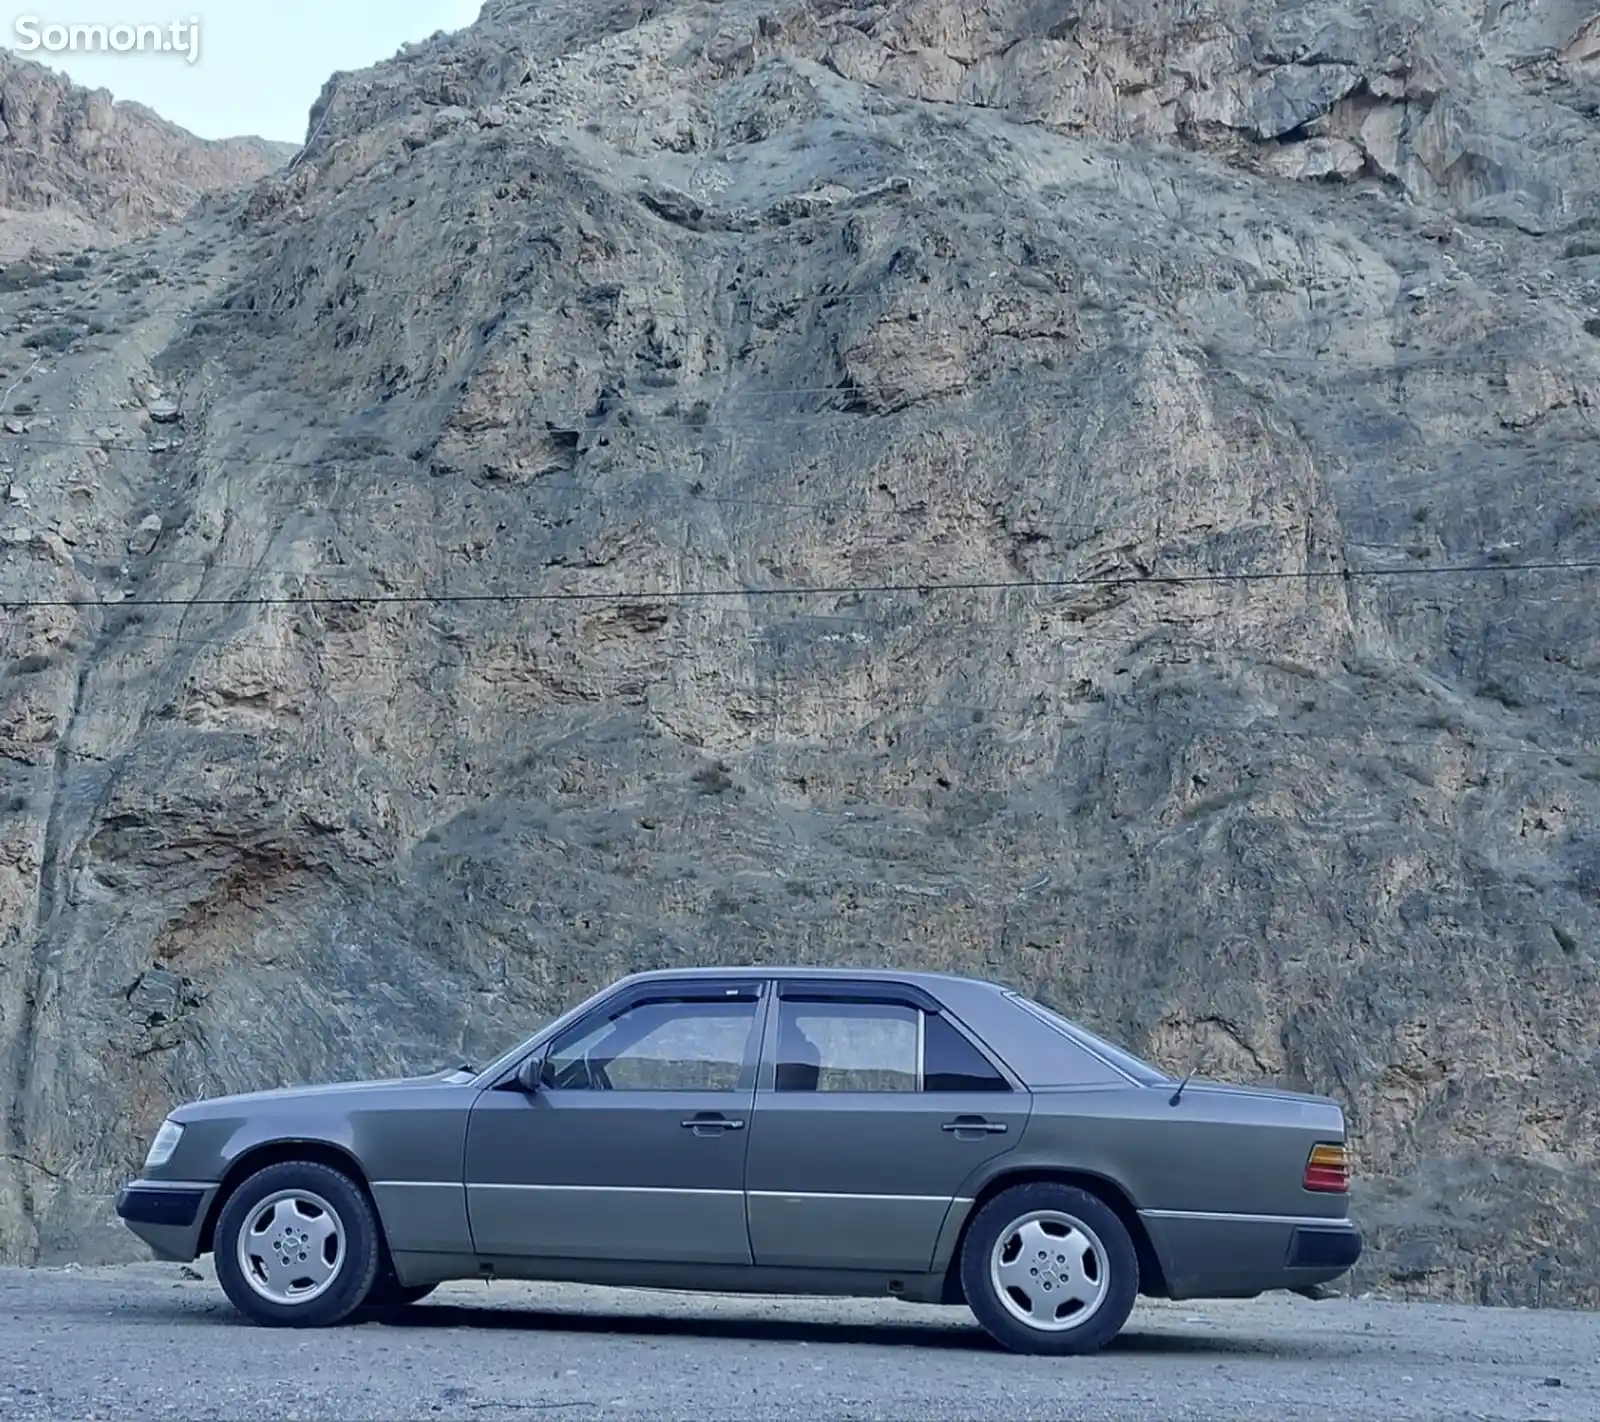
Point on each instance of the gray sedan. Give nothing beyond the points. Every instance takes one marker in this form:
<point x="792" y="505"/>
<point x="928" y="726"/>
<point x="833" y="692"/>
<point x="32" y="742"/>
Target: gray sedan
<point x="768" y="1131"/>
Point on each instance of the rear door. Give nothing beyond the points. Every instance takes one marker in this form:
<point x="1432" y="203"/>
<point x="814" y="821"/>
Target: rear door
<point x="872" y="1108"/>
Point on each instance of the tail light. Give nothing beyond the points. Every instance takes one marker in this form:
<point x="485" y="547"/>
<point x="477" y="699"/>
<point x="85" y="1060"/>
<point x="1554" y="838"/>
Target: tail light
<point x="1328" y="1169"/>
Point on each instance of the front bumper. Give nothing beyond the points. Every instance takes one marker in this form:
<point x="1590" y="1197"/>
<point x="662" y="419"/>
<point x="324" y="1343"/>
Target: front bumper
<point x="169" y="1216"/>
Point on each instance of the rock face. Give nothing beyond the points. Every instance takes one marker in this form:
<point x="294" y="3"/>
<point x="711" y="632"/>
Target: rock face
<point x="78" y="169"/>
<point x="1191" y="427"/>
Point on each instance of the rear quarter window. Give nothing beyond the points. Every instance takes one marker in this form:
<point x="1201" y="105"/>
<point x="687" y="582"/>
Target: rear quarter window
<point x="1094" y="1056"/>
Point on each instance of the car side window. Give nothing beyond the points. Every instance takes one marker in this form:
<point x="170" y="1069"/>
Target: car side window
<point x="951" y="1063"/>
<point x="846" y="1046"/>
<point x="874" y="1046"/>
<point x="656" y="1046"/>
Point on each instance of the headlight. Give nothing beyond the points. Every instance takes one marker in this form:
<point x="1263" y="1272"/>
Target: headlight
<point x="163" y="1145"/>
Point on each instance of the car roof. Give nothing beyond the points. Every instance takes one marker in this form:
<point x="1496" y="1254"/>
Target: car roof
<point x="910" y="976"/>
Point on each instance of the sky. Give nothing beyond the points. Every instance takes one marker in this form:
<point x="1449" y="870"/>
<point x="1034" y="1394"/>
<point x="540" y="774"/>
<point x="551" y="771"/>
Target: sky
<point x="259" y="64"/>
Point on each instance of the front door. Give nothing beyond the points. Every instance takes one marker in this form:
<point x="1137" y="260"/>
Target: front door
<point x="633" y="1149"/>
<point x="872" y="1112"/>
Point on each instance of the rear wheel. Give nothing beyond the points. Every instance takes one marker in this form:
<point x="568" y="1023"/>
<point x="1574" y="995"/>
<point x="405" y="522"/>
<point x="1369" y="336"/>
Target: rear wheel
<point x="297" y="1246"/>
<point x="1049" y="1268"/>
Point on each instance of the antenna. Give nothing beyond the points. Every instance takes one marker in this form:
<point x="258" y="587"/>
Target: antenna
<point x="1178" y="1094"/>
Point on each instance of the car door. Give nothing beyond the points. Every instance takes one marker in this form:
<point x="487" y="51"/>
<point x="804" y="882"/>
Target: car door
<point x="873" y="1107"/>
<point x="633" y="1146"/>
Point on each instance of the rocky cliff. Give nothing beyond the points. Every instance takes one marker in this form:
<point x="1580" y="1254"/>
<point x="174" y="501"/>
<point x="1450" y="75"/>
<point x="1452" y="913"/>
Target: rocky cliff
<point x="78" y="169"/>
<point x="1000" y="486"/>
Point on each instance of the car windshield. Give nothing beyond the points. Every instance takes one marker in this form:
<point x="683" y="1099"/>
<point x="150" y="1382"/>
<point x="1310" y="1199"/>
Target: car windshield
<point x="1125" y="1061"/>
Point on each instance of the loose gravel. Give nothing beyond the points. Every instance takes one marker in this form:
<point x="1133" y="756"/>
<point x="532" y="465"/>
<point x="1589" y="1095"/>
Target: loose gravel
<point x="151" y="1341"/>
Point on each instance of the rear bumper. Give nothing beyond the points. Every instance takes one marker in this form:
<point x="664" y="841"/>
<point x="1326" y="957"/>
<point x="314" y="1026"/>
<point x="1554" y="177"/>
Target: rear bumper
<point x="1323" y="1246"/>
<point x="168" y="1216"/>
<point x="1207" y="1255"/>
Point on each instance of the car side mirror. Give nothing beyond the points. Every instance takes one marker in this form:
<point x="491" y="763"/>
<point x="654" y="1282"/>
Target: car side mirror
<point x="530" y="1073"/>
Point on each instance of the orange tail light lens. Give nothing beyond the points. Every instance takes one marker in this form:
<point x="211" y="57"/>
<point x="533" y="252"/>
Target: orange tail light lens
<point x="1328" y="1169"/>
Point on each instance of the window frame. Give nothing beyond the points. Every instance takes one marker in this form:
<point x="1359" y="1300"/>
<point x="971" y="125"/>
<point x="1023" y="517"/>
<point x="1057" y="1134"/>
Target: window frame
<point x="754" y="991"/>
<point x="884" y="994"/>
<point x="1007" y="1078"/>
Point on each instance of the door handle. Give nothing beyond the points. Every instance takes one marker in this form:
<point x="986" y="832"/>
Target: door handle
<point x="976" y="1124"/>
<point x="698" y="1124"/>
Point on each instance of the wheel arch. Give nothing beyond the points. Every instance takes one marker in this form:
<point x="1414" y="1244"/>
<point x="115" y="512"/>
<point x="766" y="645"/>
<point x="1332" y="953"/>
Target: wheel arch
<point x="1152" y="1276"/>
<point x="278" y="1152"/>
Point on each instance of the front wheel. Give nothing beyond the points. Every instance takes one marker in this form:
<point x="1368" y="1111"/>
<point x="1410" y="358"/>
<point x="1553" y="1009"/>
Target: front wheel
<point x="1050" y="1269"/>
<point x="297" y="1246"/>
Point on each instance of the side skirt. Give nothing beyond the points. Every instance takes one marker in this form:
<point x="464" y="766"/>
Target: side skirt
<point x="421" y="1268"/>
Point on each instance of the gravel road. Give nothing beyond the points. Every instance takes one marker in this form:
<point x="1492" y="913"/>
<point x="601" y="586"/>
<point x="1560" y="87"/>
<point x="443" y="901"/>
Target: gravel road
<point x="146" y="1341"/>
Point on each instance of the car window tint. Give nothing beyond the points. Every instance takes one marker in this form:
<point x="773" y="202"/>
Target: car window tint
<point x="846" y="1046"/>
<point x="658" y="1046"/>
<point x="951" y="1063"/>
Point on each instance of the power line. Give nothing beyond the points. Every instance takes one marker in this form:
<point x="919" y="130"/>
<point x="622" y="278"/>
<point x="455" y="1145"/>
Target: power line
<point x="858" y="505"/>
<point x="1013" y="520"/>
<point x="686" y="594"/>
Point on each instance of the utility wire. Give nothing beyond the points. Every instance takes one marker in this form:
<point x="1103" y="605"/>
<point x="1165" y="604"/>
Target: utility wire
<point x="921" y="588"/>
<point x="981" y="516"/>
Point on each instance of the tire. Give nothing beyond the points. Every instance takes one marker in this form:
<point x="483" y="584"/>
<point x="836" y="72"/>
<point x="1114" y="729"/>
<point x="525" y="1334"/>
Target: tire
<point x="289" y="1209"/>
<point x="1039" y="1220"/>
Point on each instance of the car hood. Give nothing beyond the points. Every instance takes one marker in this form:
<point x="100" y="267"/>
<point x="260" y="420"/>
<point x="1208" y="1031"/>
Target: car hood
<point x="214" y="1105"/>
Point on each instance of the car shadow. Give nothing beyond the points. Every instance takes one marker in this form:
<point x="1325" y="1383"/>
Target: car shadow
<point x="654" y="1325"/>
<point x="955" y="1336"/>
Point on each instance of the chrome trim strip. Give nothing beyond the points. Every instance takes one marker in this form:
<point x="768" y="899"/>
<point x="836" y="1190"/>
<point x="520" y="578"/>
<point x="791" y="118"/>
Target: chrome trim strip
<point x="668" y="1190"/>
<point x="416" y="1184"/>
<point x="1226" y="1217"/>
<point x="844" y="1195"/>
<point x="605" y="1189"/>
